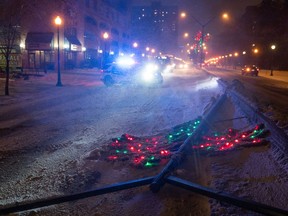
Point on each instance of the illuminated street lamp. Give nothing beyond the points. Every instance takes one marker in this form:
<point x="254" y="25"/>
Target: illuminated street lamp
<point x="105" y="36"/>
<point x="273" y="47"/>
<point x="225" y="16"/>
<point x="58" y="22"/>
<point x="183" y="15"/>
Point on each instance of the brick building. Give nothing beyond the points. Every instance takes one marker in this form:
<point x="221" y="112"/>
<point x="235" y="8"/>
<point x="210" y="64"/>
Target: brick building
<point x="156" y="25"/>
<point x="81" y="33"/>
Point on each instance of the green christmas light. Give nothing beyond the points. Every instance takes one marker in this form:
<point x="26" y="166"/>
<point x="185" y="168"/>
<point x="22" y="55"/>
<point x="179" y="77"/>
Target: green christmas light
<point x="148" y="164"/>
<point x="152" y="151"/>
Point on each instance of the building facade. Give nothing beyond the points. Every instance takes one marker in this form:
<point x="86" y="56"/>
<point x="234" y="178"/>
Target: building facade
<point x="156" y="26"/>
<point x="81" y="34"/>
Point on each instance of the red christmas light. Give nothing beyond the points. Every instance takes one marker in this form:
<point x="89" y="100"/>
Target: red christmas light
<point x="112" y="157"/>
<point x="149" y="152"/>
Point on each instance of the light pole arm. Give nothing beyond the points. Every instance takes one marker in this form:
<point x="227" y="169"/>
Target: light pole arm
<point x="205" y="24"/>
<point x="197" y="20"/>
<point x="202" y="36"/>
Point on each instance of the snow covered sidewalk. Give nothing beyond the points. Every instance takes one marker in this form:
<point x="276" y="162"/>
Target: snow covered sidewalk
<point x="277" y="75"/>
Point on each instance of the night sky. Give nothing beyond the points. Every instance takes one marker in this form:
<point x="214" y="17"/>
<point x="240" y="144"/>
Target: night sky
<point x="204" y="10"/>
<point x="206" y="6"/>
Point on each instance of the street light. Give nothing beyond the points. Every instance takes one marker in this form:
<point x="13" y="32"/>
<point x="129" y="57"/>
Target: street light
<point x="183" y="15"/>
<point x="58" y="22"/>
<point x="273" y="47"/>
<point x="255" y="50"/>
<point x="105" y="36"/>
<point x="225" y="16"/>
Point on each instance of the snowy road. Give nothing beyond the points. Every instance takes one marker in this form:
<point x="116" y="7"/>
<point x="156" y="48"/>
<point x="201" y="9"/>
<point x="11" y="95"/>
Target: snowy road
<point x="61" y="113"/>
<point x="268" y="93"/>
<point x="45" y="130"/>
<point x="51" y="139"/>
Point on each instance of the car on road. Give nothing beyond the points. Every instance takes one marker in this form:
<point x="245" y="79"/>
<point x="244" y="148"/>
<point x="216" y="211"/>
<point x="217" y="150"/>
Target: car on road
<point x="250" y="70"/>
<point x="147" y="74"/>
<point x="180" y="64"/>
<point x="165" y="64"/>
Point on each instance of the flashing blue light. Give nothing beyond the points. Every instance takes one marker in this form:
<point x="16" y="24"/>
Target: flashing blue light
<point x="125" y="61"/>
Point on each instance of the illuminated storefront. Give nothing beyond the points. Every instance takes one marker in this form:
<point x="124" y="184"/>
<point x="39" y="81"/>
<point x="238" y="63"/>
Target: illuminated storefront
<point x="39" y="47"/>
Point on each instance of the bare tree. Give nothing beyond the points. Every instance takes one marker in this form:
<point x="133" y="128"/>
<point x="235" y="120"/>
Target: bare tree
<point x="9" y="32"/>
<point x="18" y="16"/>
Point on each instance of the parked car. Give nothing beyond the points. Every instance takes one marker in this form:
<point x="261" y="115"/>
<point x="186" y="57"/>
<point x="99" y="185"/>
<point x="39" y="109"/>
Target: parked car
<point x="136" y="74"/>
<point x="250" y="70"/>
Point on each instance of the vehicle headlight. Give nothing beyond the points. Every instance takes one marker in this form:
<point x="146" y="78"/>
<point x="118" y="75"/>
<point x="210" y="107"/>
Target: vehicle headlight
<point x="125" y="61"/>
<point x="167" y="69"/>
<point x="147" y="76"/>
<point x="151" y="67"/>
<point x="148" y="73"/>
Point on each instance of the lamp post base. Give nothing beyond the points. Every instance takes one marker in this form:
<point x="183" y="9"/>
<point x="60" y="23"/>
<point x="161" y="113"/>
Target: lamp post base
<point x="59" y="84"/>
<point x="271" y="72"/>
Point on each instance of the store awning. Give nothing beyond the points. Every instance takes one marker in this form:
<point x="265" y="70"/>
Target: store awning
<point x="39" y="40"/>
<point x="74" y="43"/>
<point x="73" y="40"/>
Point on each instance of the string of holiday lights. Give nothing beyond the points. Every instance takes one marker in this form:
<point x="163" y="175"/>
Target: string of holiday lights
<point x="233" y="139"/>
<point x="156" y="150"/>
<point x="198" y="44"/>
<point x="150" y="151"/>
